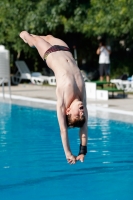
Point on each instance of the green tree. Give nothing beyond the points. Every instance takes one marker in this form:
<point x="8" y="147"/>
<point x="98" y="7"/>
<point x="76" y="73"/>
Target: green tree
<point x="39" y="17"/>
<point x="82" y="18"/>
<point x="113" y="18"/>
<point x="12" y="20"/>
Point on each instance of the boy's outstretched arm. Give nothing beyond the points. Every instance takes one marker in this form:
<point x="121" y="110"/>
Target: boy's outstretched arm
<point x="83" y="134"/>
<point x="64" y="134"/>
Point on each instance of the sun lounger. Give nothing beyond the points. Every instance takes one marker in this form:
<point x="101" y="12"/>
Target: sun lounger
<point x="125" y="85"/>
<point x="23" y="73"/>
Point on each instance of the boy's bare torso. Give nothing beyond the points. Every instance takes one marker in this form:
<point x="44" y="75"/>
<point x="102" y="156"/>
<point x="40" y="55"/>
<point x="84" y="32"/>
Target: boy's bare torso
<point x="70" y="83"/>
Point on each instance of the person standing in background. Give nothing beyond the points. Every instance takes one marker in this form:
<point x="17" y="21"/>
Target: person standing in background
<point x="104" y="60"/>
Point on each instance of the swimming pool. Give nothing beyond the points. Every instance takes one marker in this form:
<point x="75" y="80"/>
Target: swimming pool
<point x="33" y="165"/>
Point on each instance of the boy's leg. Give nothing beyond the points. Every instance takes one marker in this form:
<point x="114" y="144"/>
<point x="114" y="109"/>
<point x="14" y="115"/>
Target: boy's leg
<point x="54" y="41"/>
<point x="34" y="40"/>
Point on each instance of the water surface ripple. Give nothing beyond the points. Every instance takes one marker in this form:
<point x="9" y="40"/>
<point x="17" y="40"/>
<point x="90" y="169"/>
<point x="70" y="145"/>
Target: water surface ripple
<point x="33" y="165"/>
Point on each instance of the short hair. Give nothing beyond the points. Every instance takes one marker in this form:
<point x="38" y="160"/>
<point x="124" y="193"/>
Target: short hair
<point x="77" y="122"/>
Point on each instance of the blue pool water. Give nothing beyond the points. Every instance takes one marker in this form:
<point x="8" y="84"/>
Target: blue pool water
<point x="33" y="165"/>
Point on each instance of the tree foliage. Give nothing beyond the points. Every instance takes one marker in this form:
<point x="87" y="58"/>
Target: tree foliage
<point x="111" y="17"/>
<point x="38" y="17"/>
<point x="60" y="17"/>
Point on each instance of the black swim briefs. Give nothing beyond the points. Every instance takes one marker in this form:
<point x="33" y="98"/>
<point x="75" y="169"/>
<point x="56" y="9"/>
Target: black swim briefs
<point x="54" y="49"/>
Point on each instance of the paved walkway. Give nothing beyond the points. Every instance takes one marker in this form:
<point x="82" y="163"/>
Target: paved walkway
<point x="42" y="95"/>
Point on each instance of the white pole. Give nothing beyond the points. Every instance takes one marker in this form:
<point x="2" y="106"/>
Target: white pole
<point x="75" y="54"/>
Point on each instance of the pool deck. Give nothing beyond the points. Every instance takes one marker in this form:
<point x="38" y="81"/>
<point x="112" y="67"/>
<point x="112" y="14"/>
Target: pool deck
<point x="45" y="97"/>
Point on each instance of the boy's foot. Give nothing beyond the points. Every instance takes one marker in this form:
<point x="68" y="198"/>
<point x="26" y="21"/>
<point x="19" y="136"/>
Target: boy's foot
<point x="22" y="36"/>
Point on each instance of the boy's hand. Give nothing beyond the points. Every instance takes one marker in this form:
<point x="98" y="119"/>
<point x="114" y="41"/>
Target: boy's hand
<point x="80" y="157"/>
<point x="71" y="159"/>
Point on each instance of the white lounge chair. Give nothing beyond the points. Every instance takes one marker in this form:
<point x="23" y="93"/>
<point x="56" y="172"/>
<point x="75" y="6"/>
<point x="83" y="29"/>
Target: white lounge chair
<point x="125" y="85"/>
<point x="35" y="77"/>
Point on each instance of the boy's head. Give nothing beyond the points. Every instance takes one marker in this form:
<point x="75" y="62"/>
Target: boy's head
<point x="77" y="122"/>
<point x="75" y="114"/>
